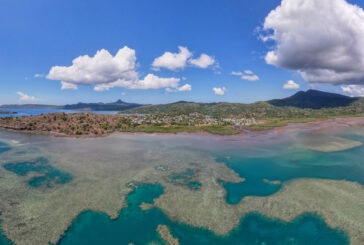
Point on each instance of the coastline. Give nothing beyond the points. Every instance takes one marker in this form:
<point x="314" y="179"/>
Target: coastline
<point x="290" y="126"/>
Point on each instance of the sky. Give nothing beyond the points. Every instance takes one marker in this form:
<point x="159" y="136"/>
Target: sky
<point x="162" y="51"/>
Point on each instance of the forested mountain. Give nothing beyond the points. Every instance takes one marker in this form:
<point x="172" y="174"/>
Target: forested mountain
<point x="314" y="99"/>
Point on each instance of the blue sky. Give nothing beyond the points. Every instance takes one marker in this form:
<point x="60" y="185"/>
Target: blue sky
<point x="37" y="35"/>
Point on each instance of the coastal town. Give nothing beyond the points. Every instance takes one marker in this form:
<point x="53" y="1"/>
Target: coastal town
<point x="192" y="119"/>
<point x="95" y="125"/>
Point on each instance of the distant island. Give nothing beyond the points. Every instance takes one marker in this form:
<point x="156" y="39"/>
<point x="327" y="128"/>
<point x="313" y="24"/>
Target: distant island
<point x="217" y="118"/>
<point x="30" y="106"/>
<point x="8" y="112"/>
<point x="118" y="105"/>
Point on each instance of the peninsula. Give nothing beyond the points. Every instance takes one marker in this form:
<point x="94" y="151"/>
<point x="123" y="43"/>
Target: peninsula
<point x="8" y="112"/>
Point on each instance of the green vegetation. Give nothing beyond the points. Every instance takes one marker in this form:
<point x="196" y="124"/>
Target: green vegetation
<point x="221" y="130"/>
<point x="216" y="118"/>
<point x="314" y="99"/>
<point x="258" y="110"/>
<point x="301" y="107"/>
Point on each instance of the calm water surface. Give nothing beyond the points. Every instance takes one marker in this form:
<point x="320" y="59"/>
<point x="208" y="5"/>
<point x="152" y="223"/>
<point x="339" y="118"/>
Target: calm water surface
<point x="35" y="112"/>
<point x="139" y="227"/>
<point x="289" y="163"/>
<point x="256" y="158"/>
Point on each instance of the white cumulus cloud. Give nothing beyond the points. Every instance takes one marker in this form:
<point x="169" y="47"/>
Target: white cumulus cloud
<point x="179" y="60"/>
<point x="353" y="90"/>
<point x="173" y="61"/>
<point x="186" y="87"/>
<point x="154" y="82"/>
<point x="321" y="39"/>
<point x="291" y="85"/>
<point x="26" y="98"/>
<point x="203" y="61"/>
<point x="105" y="71"/>
<point x="150" y="81"/>
<point x="219" y="91"/>
<point x="246" y="75"/>
<point x="101" y="68"/>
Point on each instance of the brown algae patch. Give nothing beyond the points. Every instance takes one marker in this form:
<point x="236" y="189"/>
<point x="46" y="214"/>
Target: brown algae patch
<point x="166" y="235"/>
<point x="327" y="143"/>
<point x="272" y="182"/>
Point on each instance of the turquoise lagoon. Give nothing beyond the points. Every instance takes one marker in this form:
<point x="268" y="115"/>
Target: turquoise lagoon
<point x="139" y="227"/>
<point x="289" y="164"/>
<point x="4" y="147"/>
<point x="256" y="158"/>
<point x="48" y="175"/>
<point x="3" y="239"/>
<point x="185" y="178"/>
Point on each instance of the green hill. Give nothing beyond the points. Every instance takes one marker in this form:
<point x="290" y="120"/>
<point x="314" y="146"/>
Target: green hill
<point x="302" y="105"/>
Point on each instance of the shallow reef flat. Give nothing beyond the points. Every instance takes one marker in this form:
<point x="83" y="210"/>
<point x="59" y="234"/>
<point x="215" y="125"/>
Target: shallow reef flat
<point x="166" y="235"/>
<point x="340" y="203"/>
<point x="328" y="143"/>
<point x="105" y="170"/>
<point x="102" y="172"/>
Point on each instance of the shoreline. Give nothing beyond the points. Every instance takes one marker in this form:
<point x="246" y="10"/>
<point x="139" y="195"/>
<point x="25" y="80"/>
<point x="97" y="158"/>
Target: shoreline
<point x="290" y="126"/>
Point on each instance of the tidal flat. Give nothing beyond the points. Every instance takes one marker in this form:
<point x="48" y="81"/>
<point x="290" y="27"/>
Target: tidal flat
<point x="209" y="188"/>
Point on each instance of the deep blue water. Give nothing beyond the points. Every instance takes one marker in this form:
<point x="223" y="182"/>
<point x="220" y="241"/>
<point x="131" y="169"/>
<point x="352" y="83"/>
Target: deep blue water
<point x="288" y="165"/>
<point x="139" y="227"/>
<point x="34" y="112"/>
